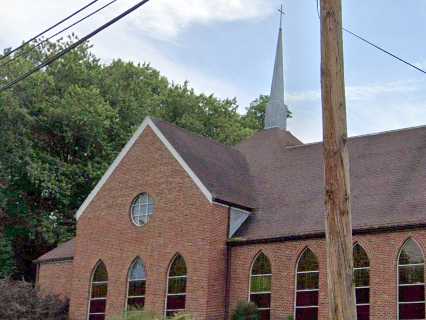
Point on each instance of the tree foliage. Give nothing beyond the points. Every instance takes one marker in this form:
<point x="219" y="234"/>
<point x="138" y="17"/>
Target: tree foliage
<point x="62" y="127"/>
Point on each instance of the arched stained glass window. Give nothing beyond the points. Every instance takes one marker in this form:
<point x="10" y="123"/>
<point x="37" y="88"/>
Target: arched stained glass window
<point x="136" y="286"/>
<point x="362" y="282"/>
<point x="411" y="287"/>
<point x="176" y="286"/>
<point x="307" y="287"/>
<point x="98" y="293"/>
<point x="260" y="285"/>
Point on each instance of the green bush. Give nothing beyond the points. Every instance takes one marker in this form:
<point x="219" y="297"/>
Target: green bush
<point x="246" y="311"/>
<point x="20" y="301"/>
<point x="146" y="315"/>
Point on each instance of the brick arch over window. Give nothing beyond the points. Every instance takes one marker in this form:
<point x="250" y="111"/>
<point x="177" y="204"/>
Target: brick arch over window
<point x="362" y="282"/>
<point x="136" y="285"/>
<point x="307" y="286"/>
<point x="176" y="286"/>
<point x="411" y="284"/>
<point x="98" y="292"/>
<point x="260" y="285"/>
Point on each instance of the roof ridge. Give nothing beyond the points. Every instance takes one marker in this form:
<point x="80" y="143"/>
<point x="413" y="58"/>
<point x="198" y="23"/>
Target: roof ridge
<point x="373" y="134"/>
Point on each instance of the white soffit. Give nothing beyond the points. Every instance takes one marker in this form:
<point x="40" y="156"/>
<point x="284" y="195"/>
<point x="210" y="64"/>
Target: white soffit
<point x="147" y="122"/>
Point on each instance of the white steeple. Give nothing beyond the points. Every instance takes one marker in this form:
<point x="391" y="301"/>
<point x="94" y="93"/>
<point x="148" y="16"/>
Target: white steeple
<point x="276" y="111"/>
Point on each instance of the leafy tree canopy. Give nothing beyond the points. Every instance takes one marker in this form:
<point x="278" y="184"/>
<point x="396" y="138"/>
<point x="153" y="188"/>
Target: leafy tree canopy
<point x="62" y="127"/>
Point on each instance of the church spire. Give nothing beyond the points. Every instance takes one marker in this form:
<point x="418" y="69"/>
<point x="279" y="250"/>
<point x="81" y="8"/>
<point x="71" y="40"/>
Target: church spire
<point x="276" y="111"/>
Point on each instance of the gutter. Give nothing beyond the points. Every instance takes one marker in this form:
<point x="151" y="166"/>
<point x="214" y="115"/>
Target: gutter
<point x="321" y="235"/>
<point x="231" y="204"/>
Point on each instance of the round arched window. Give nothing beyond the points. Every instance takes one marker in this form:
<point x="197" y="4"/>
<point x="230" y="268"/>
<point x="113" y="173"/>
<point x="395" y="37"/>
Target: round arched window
<point x="142" y="208"/>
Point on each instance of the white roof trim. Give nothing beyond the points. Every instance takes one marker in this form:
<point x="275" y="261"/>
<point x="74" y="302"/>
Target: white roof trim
<point x="147" y="122"/>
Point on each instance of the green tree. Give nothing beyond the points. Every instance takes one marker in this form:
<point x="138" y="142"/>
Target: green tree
<point x="254" y="118"/>
<point x="62" y="127"/>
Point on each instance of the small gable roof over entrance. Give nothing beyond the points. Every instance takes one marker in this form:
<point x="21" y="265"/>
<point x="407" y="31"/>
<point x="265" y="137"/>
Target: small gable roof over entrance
<point x="220" y="172"/>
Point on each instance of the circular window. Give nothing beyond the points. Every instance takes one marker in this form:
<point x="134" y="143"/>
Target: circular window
<point x="142" y="208"/>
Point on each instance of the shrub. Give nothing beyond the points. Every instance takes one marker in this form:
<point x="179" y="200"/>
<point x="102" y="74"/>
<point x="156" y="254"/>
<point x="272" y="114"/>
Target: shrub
<point x="20" y="301"/>
<point x="246" y="311"/>
<point x="145" y="315"/>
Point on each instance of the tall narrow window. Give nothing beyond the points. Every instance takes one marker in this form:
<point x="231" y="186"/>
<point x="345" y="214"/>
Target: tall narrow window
<point x="136" y="286"/>
<point x="260" y="285"/>
<point x="307" y="287"/>
<point x="411" y="287"/>
<point x="98" y="293"/>
<point x="176" y="287"/>
<point x="362" y="282"/>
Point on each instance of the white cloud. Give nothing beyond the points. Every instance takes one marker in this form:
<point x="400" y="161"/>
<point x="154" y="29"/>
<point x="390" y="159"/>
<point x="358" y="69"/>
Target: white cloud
<point x="134" y="38"/>
<point x="363" y="92"/>
<point x="371" y="107"/>
<point x="165" y="18"/>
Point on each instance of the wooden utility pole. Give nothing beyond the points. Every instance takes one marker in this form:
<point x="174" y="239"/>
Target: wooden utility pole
<point x="341" y="292"/>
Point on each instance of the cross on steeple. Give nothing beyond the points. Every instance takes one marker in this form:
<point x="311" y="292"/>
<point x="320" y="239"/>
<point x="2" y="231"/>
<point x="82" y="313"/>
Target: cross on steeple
<point x="282" y="12"/>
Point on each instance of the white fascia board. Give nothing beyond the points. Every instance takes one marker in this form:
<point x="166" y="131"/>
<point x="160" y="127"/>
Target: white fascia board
<point x="147" y="122"/>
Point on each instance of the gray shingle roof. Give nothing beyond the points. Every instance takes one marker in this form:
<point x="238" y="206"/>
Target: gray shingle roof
<point x="64" y="251"/>
<point x="388" y="184"/>
<point x="222" y="169"/>
<point x="282" y="179"/>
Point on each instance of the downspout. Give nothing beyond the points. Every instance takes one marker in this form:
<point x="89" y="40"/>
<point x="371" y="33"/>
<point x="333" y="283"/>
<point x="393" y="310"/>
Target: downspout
<point x="228" y="269"/>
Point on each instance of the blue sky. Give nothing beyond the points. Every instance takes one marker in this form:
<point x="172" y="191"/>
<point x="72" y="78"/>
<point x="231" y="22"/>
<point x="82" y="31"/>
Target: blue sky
<point x="227" y="47"/>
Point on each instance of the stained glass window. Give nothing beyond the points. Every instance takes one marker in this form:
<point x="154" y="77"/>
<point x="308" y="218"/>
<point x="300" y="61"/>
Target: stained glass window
<point x="362" y="282"/>
<point x="307" y="287"/>
<point x="260" y="285"/>
<point x="136" y="286"/>
<point x="411" y="287"/>
<point x="176" y="287"/>
<point x="98" y="293"/>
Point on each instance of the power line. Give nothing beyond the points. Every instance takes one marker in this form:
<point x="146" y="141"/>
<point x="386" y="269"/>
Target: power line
<point x="72" y="46"/>
<point x="57" y="33"/>
<point x="384" y="50"/>
<point x="375" y="45"/>
<point x="48" y="29"/>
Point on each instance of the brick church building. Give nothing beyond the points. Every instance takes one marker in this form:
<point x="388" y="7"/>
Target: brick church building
<point x="180" y="222"/>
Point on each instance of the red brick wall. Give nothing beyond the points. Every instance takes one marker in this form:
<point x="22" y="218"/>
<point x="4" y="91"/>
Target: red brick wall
<point x="183" y="221"/>
<point x="382" y="250"/>
<point x="55" y="278"/>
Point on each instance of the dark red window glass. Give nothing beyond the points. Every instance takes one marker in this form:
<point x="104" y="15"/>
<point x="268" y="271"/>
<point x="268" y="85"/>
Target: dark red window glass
<point x="363" y="312"/>
<point x="411" y="293"/>
<point x="307" y="287"/>
<point x="307" y="298"/>
<point x="176" y="287"/>
<point x="306" y="313"/>
<point x="176" y="302"/>
<point x="98" y="292"/>
<point x="412" y="311"/>
<point x="265" y="314"/>
<point x="260" y="285"/>
<point x="411" y="288"/>
<point x="98" y="306"/>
